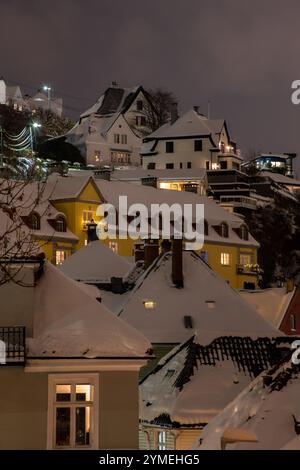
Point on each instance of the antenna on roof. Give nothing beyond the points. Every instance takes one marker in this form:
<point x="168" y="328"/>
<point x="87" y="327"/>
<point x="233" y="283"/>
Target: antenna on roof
<point x="208" y="109"/>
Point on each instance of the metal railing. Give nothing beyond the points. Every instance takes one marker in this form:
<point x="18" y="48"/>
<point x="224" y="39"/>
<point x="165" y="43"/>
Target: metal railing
<point x="239" y="201"/>
<point x="251" y="269"/>
<point x="12" y="345"/>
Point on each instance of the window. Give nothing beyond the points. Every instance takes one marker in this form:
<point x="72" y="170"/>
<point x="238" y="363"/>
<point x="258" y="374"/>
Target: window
<point x="116" y="138"/>
<point x="244" y="233"/>
<point x="140" y="121"/>
<point x="223" y="165"/>
<point x="120" y="157"/>
<point x="124" y="139"/>
<point x="214" y="166"/>
<point x="224" y="230"/>
<point x="188" y="322"/>
<point x="60" y="256"/>
<point x="97" y="155"/>
<point x="210" y="304"/>
<point x="189" y="165"/>
<point x="72" y="411"/>
<point x="169" y="147"/>
<point x="151" y="166"/>
<point x="139" y="105"/>
<point x="149" y="304"/>
<point x="169" y="166"/>
<point x="87" y="217"/>
<point x="198" y="145"/>
<point x="245" y="258"/>
<point x="180" y="165"/>
<point x="225" y="259"/>
<point x="293" y="322"/>
<point x="207" y="164"/>
<point x="113" y="246"/>
<point x="162" y="440"/>
<point x="34" y="222"/>
<point x="60" y="224"/>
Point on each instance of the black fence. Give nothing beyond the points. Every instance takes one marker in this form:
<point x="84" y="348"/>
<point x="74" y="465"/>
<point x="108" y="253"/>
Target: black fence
<point x="12" y="345"/>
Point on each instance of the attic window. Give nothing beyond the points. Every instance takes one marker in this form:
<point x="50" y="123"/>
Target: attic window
<point x="149" y="304"/>
<point x="224" y="230"/>
<point x="34" y="222"/>
<point x="139" y="105"/>
<point x="188" y="322"/>
<point x="60" y="224"/>
<point x="210" y="303"/>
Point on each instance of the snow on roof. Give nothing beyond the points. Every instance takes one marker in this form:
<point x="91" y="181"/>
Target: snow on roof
<point x="137" y="174"/>
<point x="190" y="124"/>
<point x="265" y="410"/>
<point x="68" y="322"/>
<point x="294" y="444"/>
<point x="271" y="304"/>
<point x="95" y="263"/>
<point x="193" y="384"/>
<point x="279" y="178"/>
<point x="216" y="309"/>
<point x="66" y="187"/>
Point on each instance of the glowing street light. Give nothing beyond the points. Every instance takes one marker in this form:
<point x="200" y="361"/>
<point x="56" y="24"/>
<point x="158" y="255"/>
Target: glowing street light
<point x="36" y="125"/>
<point x="48" y="89"/>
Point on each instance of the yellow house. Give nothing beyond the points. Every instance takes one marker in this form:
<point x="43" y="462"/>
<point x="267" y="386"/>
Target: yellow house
<point x="229" y="248"/>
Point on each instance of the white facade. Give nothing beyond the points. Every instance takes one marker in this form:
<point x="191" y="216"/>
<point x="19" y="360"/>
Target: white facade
<point x="111" y="131"/>
<point x="191" y="142"/>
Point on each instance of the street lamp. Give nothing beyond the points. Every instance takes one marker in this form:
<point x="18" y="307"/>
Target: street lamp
<point x="47" y="88"/>
<point x="35" y="125"/>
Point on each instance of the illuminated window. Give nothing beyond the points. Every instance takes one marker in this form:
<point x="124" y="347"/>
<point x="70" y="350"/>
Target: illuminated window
<point x="214" y="166"/>
<point x="120" y="157"/>
<point x="225" y="259"/>
<point x="162" y="440"/>
<point x="245" y="259"/>
<point x="97" y="155"/>
<point x="87" y="216"/>
<point x="72" y="413"/>
<point x="149" y="304"/>
<point x="60" y="256"/>
<point x="113" y="246"/>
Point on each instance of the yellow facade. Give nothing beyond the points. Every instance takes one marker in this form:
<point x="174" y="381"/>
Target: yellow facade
<point x="224" y="259"/>
<point x="155" y="437"/>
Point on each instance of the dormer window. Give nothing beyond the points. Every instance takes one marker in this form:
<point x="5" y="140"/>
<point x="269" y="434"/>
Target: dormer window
<point x="60" y="224"/>
<point x="224" y="231"/>
<point x="34" y="222"/>
<point x="205" y="227"/>
<point x="244" y="232"/>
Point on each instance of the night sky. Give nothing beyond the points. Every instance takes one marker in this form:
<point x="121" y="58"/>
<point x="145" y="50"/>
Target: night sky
<point x="241" y="55"/>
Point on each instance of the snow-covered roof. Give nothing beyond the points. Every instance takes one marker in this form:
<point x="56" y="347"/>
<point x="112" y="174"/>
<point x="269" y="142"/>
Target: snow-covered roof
<point x="267" y="410"/>
<point x="215" y="308"/>
<point x="280" y="179"/>
<point x="190" y="124"/>
<point x="66" y="187"/>
<point x="68" y="322"/>
<point x="114" y="100"/>
<point x="95" y="263"/>
<point x="137" y="174"/>
<point x="192" y="384"/>
<point x="271" y="303"/>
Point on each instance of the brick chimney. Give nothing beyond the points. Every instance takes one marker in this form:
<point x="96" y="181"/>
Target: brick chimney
<point x="174" y="112"/>
<point x="151" y="252"/>
<point x="177" y="268"/>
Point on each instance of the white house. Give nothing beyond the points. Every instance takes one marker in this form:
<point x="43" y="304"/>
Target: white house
<point x="190" y="141"/>
<point x="41" y="101"/>
<point x="111" y="131"/>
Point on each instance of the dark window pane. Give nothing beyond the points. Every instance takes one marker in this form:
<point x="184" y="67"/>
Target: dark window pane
<point x="63" y="426"/>
<point x="198" y="145"/>
<point x="63" y="392"/>
<point x="83" y="419"/>
<point x="169" y="147"/>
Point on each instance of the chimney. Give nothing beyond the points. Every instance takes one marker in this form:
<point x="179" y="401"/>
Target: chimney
<point x="151" y="252"/>
<point x="174" y="112"/>
<point x="103" y="174"/>
<point x="177" y="269"/>
<point x="139" y="252"/>
<point x="196" y="109"/>
<point x="165" y="246"/>
<point x="91" y="231"/>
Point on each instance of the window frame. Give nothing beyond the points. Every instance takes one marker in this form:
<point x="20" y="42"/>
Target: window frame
<point x="61" y="219"/>
<point x="72" y="379"/>
<point x="222" y="258"/>
<point x="162" y="444"/>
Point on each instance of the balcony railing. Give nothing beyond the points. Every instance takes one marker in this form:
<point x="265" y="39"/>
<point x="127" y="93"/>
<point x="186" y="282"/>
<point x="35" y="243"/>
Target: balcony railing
<point x="12" y="345"/>
<point x="239" y="201"/>
<point x="250" y="269"/>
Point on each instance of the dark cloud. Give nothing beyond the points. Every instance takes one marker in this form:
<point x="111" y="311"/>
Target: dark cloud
<point x="241" y="55"/>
